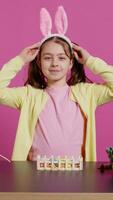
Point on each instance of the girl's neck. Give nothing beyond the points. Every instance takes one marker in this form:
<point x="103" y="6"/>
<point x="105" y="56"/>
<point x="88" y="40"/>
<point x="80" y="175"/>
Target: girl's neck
<point x="56" y="84"/>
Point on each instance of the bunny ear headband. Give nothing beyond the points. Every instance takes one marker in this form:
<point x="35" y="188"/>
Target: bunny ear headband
<point x="61" y="24"/>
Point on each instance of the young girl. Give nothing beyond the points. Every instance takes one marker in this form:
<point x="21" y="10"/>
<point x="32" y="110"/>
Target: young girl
<point x="57" y="105"/>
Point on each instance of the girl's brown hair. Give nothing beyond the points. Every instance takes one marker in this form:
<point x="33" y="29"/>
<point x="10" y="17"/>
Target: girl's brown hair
<point x="36" y="77"/>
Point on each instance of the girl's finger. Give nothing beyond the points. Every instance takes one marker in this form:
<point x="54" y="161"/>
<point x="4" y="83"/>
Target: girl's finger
<point x="74" y="43"/>
<point x="36" y="45"/>
<point x="75" y="47"/>
<point x="33" y="51"/>
<point x="35" y="54"/>
<point x="78" y="52"/>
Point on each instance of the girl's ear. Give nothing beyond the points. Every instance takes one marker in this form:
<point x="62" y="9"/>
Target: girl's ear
<point x="38" y="61"/>
<point x="71" y="64"/>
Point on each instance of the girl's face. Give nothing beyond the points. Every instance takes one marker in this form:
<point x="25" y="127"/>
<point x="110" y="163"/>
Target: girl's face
<point x="55" y="64"/>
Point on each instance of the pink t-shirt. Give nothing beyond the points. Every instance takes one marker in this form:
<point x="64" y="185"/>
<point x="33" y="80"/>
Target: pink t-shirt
<point x="59" y="129"/>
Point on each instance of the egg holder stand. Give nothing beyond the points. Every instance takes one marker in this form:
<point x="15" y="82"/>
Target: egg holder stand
<point x="59" y="163"/>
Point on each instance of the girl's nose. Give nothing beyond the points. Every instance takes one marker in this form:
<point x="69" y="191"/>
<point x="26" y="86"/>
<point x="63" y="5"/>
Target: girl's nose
<point x="54" y="62"/>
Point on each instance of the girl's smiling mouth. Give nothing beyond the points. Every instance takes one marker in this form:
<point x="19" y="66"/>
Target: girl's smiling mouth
<point x="55" y="70"/>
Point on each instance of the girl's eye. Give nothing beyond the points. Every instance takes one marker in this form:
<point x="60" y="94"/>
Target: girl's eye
<point x="62" y="58"/>
<point x="47" y="58"/>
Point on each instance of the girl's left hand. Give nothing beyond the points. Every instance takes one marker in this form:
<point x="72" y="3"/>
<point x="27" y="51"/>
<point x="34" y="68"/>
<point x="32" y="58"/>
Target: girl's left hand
<point x="29" y="53"/>
<point x="81" y="54"/>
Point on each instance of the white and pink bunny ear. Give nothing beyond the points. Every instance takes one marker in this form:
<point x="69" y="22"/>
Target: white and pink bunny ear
<point x="45" y="22"/>
<point x="61" y="21"/>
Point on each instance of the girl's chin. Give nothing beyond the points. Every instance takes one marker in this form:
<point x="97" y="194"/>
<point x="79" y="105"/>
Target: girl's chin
<point x="53" y="78"/>
<point x="56" y="81"/>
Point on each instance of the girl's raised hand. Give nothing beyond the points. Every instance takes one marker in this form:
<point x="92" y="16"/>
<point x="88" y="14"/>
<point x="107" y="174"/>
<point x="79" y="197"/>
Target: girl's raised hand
<point x="29" y="53"/>
<point x="80" y="54"/>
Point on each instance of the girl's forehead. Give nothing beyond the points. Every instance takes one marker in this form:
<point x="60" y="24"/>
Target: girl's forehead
<point x="52" y="47"/>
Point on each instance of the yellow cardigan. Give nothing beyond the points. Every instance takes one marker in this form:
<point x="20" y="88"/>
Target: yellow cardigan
<point x="31" y="101"/>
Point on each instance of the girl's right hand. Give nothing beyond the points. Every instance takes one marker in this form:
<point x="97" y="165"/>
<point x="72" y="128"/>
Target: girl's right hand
<point x="29" y="53"/>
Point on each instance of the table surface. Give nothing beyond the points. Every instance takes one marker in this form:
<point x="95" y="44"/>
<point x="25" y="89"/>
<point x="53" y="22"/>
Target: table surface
<point x="24" y="177"/>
